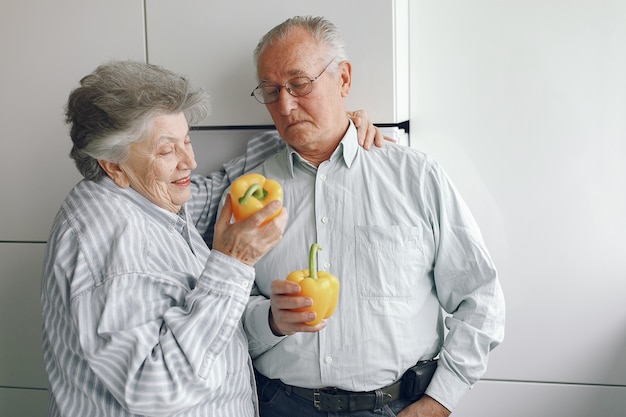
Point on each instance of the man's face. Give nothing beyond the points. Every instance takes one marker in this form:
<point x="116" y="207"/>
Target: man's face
<point x="317" y="120"/>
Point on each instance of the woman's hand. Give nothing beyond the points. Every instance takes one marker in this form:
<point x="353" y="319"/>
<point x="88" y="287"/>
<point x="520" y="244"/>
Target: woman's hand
<point x="367" y="133"/>
<point x="249" y="239"/>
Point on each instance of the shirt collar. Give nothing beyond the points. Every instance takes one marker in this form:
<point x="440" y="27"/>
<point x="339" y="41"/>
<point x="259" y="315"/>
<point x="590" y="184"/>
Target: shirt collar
<point x="350" y="145"/>
<point x="347" y="149"/>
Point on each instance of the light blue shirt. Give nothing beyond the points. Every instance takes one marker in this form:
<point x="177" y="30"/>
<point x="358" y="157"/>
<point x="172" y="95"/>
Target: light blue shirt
<point x="139" y="317"/>
<point x="410" y="259"/>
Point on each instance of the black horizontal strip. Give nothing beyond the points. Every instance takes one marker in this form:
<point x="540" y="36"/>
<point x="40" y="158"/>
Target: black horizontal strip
<point x="240" y="127"/>
<point x="562" y="383"/>
<point x="23" y="241"/>
<point x="402" y="125"/>
<point x="23" y="388"/>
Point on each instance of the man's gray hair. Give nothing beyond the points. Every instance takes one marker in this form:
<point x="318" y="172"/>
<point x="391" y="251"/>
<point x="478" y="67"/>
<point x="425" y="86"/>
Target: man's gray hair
<point x="322" y="30"/>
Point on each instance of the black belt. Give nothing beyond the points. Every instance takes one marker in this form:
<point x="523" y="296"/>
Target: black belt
<point x="336" y="400"/>
<point x="411" y="386"/>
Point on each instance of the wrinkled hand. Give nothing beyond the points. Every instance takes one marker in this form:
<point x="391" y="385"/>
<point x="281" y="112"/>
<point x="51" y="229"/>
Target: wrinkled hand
<point x="367" y="133"/>
<point x="283" y="319"/>
<point x="248" y="240"/>
<point x="425" y="407"/>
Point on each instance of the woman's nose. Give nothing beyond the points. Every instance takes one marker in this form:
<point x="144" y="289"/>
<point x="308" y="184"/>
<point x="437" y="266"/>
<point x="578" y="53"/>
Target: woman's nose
<point x="187" y="159"/>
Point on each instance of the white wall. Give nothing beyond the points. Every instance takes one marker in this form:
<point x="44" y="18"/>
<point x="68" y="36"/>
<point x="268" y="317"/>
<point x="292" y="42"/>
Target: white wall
<point x="524" y="103"/>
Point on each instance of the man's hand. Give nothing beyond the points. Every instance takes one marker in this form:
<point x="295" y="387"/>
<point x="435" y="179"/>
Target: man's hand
<point x="367" y="133"/>
<point x="283" y="319"/>
<point x="249" y="239"/>
<point x="425" y="407"/>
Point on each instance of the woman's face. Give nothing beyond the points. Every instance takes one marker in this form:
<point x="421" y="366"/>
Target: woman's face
<point x="159" y="167"/>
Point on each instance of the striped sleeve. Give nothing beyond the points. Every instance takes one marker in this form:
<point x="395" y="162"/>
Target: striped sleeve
<point x="158" y="367"/>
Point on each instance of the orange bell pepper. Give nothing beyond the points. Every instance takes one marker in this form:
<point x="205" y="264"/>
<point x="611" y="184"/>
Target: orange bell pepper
<point x="320" y="286"/>
<point x="251" y="192"/>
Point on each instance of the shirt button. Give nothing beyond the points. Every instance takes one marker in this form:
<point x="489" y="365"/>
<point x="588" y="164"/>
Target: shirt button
<point x="324" y="219"/>
<point x="328" y="359"/>
<point x="323" y="177"/>
<point x="326" y="265"/>
<point x="245" y="284"/>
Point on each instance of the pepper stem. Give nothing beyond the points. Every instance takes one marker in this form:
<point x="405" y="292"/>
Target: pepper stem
<point x="255" y="190"/>
<point x="313" y="260"/>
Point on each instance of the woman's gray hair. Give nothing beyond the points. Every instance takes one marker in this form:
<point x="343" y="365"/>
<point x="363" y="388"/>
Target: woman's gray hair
<point x="115" y="106"/>
<point x="322" y="30"/>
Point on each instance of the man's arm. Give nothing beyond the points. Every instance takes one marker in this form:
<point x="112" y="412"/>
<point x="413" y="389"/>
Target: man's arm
<point x="468" y="289"/>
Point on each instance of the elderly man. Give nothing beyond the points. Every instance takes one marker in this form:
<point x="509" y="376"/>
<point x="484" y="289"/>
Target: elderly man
<point x="394" y="231"/>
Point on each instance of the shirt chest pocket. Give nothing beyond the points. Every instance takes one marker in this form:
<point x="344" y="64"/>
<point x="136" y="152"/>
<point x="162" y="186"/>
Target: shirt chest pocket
<point x="389" y="261"/>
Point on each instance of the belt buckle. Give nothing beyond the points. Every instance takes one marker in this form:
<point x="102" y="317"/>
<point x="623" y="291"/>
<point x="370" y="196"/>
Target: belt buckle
<point x="321" y="399"/>
<point x="316" y="399"/>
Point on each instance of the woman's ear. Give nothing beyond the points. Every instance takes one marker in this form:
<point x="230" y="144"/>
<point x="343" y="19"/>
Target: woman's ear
<point x="115" y="172"/>
<point x="345" y="69"/>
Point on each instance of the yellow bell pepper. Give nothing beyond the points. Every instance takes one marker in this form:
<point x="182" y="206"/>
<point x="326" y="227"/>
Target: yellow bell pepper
<point x="251" y="192"/>
<point x="320" y="286"/>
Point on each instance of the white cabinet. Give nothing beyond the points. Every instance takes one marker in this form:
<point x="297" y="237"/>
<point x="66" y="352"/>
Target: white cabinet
<point x="21" y="363"/>
<point x="212" y="43"/>
<point x="20" y="402"/>
<point x="46" y="48"/>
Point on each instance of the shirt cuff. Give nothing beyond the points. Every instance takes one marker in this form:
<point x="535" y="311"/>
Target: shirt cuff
<point x="227" y="275"/>
<point x="260" y="327"/>
<point x="446" y="388"/>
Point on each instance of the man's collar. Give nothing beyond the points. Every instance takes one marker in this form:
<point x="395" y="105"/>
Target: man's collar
<point x="347" y="148"/>
<point x="350" y="145"/>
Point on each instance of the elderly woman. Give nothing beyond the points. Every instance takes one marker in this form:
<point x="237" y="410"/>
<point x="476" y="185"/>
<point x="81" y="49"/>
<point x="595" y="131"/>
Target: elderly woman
<point x="139" y="316"/>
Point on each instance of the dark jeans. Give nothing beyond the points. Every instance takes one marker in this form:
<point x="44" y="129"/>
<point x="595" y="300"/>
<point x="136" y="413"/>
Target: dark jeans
<point x="277" y="400"/>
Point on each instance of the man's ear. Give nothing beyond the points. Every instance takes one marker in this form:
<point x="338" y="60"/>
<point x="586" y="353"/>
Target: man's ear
<point x="345" y="69"/>
<point x="115" y="172"/>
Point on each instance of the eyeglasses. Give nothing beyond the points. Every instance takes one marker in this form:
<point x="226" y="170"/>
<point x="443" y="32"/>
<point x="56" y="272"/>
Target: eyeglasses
<point x="297" y="87"/>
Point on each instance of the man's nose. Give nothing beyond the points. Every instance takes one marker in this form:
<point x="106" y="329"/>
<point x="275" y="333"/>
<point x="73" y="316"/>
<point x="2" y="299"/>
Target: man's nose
<point x="286" y="102"/>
